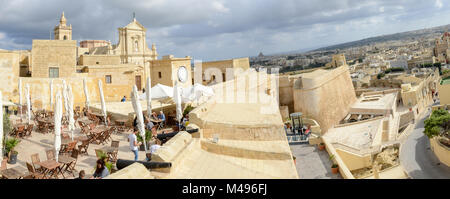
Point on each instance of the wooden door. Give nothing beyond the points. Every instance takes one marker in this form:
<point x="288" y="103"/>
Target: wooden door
<point x="138" y="82"/>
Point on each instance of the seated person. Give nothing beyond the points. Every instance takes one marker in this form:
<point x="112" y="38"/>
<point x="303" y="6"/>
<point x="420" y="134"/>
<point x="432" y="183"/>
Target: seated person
<point x="148" y="124"/>
<point x="154" y="116"/>
<point x="124" y="99"/>
<point x="155" y="147"/>
<point x="161" y="116"/>
<point x="185" y="121"/>
<point x="100" y="171"/>
<point x="81" y="175"/>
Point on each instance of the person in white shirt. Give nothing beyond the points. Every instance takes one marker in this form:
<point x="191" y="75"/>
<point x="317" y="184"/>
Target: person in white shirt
<point x="155" y="147"/>
<point x="134" y="144"/>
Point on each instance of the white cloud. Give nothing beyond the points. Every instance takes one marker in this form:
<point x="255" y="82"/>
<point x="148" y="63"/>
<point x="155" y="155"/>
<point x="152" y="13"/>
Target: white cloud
<point x="439" y="4"/>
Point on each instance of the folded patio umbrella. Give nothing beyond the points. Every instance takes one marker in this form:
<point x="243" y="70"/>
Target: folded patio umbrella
<point x="51" y="94"/>
<point x="102" y="98"/>
<point x="138" y="110"/>
<point x="28" y="104"/>
<point x="66" y="105"/>
<point x="58" y="117"/>
<point x="71" y="119"/>
<point x="20" y="96"/>
<point x="148" y="95"/>
<point x="177" y="99"/>
<point x="86" y="93"/>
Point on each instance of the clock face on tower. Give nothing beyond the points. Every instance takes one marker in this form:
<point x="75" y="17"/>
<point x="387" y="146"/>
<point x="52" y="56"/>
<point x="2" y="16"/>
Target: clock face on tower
<point x="182" y="74"/>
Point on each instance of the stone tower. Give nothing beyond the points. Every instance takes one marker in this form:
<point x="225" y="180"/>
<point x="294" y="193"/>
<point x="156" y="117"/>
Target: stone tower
<point x="63" y="31"/>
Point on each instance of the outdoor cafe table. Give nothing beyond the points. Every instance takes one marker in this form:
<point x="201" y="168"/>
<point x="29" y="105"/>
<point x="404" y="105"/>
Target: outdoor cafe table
<point x="12" y="173"/>
<point x="66" y="162"/>
<point x="157" y="123"/>
<point x="121" y="122"/>
<point x="51" y="167"/>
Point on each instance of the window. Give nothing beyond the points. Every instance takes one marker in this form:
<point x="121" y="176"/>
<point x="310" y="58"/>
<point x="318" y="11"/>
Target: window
<point x="136" y="46"/>
<point x="97" y="62"/>
<point x="159" y="75"/>
<point x="65" y="37"/>
<point x="108" y="79"/>
<point x="53" y="72"/>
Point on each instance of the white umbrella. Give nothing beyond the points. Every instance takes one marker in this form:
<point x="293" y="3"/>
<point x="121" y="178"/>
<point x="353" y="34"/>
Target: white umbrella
<point x="58" y="116"/>
<point x="148" y="94"/>
<point x="160" y="91"/>
<point x="28" y="104"/>
<point x="51" y="93"/>
<point x="138" y="110"/>
<point x="177" y="99"/>
<point x="196" y="92"/>
<point x="66" y="105"/>
<point x="1" y="127"/>
<point x="20" y="96"/>
<point x="86" y="93"/>
<point x="71" y="120"/>
<point x="102" y="98"/>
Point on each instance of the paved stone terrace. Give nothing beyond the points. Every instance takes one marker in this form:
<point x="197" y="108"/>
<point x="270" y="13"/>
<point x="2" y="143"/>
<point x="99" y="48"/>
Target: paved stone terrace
<point x="312" y="163"/>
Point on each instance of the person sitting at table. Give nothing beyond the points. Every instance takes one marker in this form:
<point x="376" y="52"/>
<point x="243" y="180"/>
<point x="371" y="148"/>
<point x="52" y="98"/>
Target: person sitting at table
<point x="148" y="124"/>
<point x="81" y="175"/>
<point x="155" y="147"/>
<point x="154" y="116"/>
<point x="162" y="117"/>
<point x="100" y="171"/>
<point x="185" y="122"/>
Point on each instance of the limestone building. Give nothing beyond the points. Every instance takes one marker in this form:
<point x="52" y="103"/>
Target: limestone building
<point x="216" y="71"/>
<point x="337" y="61"/>
<point x="63" y="31"/>
<point x="441" y="49"/>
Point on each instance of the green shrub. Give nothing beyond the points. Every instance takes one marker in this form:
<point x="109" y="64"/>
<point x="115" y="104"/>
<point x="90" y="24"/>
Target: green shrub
<point x="10" y="144"/>
<point x="188" y="109"/>
<point x="7" y="128"/>
<point x="438" y="124"/>
<point x="148" y="136"/>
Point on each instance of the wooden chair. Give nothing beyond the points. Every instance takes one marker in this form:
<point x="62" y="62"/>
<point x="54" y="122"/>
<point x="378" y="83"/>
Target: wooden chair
<point x="34" y="160"/>
<point x="28" y="130"/>
<point x="85" y="130"/>
<point x="70" y="147"/>
<point x="65" y="136"/>
<point x="18" y="131"/>
<point x="50" y="154"/>
<point x="71" y="166"/>
<point x="33" y="173"/>
<point x="115" y="144"/>
<point x="83" y="148"/>
<point x="3" y="165"/>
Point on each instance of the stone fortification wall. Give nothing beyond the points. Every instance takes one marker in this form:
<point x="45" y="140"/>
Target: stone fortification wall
<point x="326" y="97"/>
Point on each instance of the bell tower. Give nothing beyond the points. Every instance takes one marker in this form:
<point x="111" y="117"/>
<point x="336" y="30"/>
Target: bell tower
<point x="63" y="31"/>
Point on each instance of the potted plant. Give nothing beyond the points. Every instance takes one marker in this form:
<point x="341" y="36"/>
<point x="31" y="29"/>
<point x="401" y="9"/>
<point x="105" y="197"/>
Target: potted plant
<point x="148" y="136"/>
<point x="410" y="106"/>
<point x="288" y="123"/>
<point x="9" y="148"/>
<point x="321" y="146"/>
<point x="334" y="167"/>
<point x="7" y="128"/>
<point x="295" y="160"/>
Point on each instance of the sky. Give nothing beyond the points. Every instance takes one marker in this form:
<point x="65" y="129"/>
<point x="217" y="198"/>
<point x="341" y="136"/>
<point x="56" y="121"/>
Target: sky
<point x="221" y="29"/>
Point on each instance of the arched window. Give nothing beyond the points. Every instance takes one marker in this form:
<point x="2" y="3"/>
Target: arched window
<point x="136" y="46"/>
<point x="65" y="37"/>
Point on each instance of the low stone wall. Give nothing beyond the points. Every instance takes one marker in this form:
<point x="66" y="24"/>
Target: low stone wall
<point x="241" y="152"/>
<point x="134" y="171"/>
<point x="441" y="151"/>
<point x="343" y="169"/>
